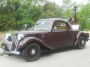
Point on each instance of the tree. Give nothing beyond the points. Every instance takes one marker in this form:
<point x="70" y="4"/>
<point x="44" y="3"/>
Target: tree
<point x="15" y="13"/>
<point x="51" y="9"/>
<point x="83" y="13"/>
<point x="7" y="15"/>
<point x="68" y="8"/>
<point x="84" y="17"/>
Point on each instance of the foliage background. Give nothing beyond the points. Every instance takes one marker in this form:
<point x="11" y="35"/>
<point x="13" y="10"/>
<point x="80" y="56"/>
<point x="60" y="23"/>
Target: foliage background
<point x="15" y="13"/>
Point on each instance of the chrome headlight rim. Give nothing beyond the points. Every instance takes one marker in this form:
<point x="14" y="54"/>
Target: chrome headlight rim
<point x="7" y="35"/>
<point x="20" y="36"/>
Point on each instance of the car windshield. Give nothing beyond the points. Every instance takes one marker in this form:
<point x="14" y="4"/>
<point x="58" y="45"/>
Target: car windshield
<point x="43" y="25"/>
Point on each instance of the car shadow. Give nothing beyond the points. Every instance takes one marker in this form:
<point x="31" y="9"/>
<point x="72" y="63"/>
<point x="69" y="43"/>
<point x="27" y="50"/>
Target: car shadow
<point x="43" y="53"/>
<point x="16" y="57"/>
<point x="48" y="53"/>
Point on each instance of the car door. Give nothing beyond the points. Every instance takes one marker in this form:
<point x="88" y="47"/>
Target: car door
<point x="60" y="35"/>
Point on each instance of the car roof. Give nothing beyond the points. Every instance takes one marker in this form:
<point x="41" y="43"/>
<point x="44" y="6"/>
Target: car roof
<point x="53" y="19"/>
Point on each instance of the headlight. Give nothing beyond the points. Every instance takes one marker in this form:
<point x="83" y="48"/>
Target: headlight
<point x="20" y="36"/>
<point x="7" y="35"/>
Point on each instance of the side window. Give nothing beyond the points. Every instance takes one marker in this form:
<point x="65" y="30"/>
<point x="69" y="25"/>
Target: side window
<point x="60" y="26"/>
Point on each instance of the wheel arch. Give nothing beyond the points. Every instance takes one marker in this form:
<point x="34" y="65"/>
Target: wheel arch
<point x="29" y="40"/>
<point x="83" y="34"/>
<point x="43" y="47"/>
<point x="78" y="36"/>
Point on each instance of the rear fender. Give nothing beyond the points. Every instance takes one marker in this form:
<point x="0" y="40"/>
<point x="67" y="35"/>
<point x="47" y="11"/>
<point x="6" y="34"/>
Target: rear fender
<point x="80" y="34"/>
<point x="28" y="40"/>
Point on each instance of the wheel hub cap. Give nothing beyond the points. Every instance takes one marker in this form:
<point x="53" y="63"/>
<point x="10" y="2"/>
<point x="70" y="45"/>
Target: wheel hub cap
<point x="33" y="51"/>
<point x="82" y="42"/>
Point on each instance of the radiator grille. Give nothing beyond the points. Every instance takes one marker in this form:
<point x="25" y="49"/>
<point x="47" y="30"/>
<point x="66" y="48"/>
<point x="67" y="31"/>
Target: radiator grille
<point x="15" y="39"/>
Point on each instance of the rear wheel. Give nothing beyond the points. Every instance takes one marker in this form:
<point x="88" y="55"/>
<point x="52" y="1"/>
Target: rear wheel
<point x="81" y="42"/>
<point x="31" y="52"/>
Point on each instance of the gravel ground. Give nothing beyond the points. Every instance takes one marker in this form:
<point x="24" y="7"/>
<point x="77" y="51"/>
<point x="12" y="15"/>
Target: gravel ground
<point x="2" y="53"/>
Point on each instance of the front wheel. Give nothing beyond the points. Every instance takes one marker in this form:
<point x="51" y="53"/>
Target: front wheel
<point x="31" y="52"/>
<point x="81" y="42"/>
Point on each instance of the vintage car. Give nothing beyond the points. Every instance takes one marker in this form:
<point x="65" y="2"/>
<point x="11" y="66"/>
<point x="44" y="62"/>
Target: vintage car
<point x="47" y="34"/>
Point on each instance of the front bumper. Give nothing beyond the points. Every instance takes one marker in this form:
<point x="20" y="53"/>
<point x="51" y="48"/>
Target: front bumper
<point x="11" y="43"/>
<point x="7" y="47"/>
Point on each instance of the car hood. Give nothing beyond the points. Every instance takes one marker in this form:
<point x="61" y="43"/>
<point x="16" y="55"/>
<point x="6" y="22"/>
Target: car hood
<point x="31" y="32"/>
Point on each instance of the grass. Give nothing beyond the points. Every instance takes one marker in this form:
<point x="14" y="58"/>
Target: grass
<point x="10" y="31"/>
<point x="0" y="46"/>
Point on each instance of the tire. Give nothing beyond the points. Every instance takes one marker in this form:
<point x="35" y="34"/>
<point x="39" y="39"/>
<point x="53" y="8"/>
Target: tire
<point x="81" y="42"/>
<point x="31" y="52"/>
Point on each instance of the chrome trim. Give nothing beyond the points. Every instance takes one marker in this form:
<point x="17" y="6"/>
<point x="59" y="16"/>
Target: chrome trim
<point x="15" y="40"/>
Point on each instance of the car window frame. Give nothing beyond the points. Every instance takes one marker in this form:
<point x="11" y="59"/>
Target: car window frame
<point x="59" y="30"/>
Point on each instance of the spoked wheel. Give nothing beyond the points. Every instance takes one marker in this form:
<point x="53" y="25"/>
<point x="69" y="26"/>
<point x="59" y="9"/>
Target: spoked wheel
<point x="31" y="52"/>
<point x="81" y="42"/>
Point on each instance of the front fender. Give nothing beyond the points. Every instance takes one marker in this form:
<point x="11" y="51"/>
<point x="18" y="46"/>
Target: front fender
<point x="28" y="40"/>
